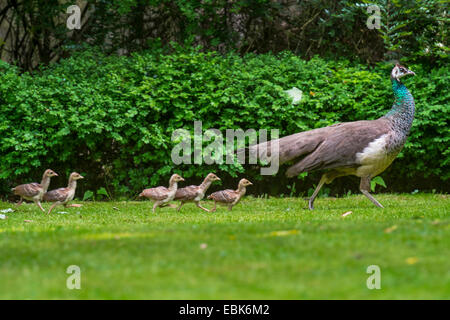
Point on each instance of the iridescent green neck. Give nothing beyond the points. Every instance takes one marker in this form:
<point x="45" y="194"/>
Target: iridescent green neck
<point x="402" y="112"/>
<point x="402" y="99"/>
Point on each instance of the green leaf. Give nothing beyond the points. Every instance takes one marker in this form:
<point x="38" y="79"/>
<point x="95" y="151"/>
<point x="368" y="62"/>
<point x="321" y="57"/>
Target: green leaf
<point x="103" y="191"/>
<point x="377" y="181"/>
<point x="88" y="195"/>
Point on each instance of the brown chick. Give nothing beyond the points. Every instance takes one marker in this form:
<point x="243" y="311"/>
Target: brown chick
<point x="34" y="191"/>
<point x="64" y="195"/>
<point x="195" y="193"/>
<point x="230" y="197"/>
<point x="162" y="195"/>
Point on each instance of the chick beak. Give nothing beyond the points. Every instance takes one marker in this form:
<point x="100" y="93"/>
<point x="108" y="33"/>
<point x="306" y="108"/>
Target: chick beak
<point x="411" y="73"/>
<point x="81" y="177"/>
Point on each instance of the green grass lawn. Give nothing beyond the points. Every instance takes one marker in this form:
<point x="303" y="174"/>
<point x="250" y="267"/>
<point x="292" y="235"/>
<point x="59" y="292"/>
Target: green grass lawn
<point x="264" y="249"/>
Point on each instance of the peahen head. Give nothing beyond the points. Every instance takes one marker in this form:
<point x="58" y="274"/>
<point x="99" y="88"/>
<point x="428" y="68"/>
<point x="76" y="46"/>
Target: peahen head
<point x="403" y="107"/>
<point x="400" y="71"/>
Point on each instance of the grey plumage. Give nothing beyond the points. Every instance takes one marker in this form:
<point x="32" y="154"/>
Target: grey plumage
<point x="362" y="148"/>
<point x="325" y="148"/>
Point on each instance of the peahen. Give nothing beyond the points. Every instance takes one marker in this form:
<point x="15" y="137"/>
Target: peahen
<point x="360" y="148"/>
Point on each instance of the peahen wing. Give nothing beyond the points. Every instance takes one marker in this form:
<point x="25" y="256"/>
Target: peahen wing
<point x="323" y="148"/>
<point x="338" y="149"/>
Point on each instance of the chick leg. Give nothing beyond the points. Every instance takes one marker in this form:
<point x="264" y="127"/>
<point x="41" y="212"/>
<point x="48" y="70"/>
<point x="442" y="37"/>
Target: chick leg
<point x="38" y="203"/>
<point x="20" y="202"/>
<point x="197" y="203"/>
<point x="365" y="187"/>
<point x="74" y="205"/>
<point x="166" y="204"/>
<point x="214" y="209"/>
<point x="179" y="207"/>
<point x="156" y="205"/>
<point x="53" y="205"/>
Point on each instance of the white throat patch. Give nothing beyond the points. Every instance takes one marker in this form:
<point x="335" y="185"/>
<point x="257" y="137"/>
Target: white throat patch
<point x="396" y="73"/>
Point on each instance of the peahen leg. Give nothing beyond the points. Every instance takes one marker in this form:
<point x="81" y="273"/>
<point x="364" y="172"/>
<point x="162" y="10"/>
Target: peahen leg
<point x="365" y="187"/>
<point x="316" y="192"/>
<point x="327" y="178"/>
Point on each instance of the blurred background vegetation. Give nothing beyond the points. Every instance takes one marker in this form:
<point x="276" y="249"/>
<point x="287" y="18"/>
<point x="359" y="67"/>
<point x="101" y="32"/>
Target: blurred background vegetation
<point x="105" y="99"/>
<point x="34" y="31"/>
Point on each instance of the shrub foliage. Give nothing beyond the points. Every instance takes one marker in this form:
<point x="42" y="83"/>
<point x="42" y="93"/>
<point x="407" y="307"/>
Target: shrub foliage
<point x="111" y="118"/>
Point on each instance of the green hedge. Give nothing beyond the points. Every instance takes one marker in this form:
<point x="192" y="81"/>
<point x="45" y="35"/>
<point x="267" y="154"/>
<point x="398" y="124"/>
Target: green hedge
<point x="112" y="117"/>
